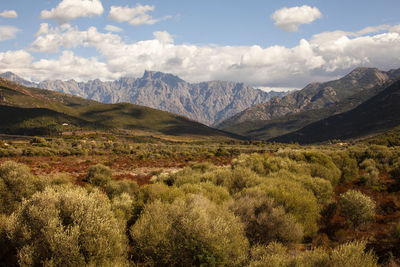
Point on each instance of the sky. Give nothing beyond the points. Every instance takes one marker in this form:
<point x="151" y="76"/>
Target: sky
<point x="274" y="44"/>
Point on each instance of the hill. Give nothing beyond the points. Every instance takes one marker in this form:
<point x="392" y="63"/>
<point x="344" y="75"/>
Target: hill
<point x="206" y="102"/>
<point x="316" y="101"/>
<point x="378" y="114"/>
<point x="33" y="111"/>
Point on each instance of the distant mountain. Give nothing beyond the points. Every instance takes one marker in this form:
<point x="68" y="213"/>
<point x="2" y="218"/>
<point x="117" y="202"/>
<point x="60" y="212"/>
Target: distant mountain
<point x="315" y="102"/>
<point x="33" y="111"/>
<point x="378" y="114"/>
<point x="206" y="102"/>
<point x="15" y="78"/>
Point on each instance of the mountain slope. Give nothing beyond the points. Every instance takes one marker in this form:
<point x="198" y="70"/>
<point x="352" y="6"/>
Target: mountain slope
<point x="316" y="101"/>
<point x="26" y="110"/>
<point x="206" y="102"/>
<point x="378" y="114"/>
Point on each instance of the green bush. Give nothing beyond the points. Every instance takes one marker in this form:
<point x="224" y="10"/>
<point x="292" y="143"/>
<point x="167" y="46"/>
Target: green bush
<point x="296" y="199"/>
<point x="17" y="183"/>
<point x="357" y="207"/>
<point x="264" y="220"/>
<point x="116" y="188"/>
<point x="191" y="232"/>
<point x="240" y="178"/>
<point x="347" y="165"/>
<point x="346" y="255"/>
<point x="353" y="254"/>
<point x="277" y="255"/>
<point x="122" y="206"/>
<point x="215" y="193"/>
<point x="66" y="226"/>
<point x="98" y="175"/>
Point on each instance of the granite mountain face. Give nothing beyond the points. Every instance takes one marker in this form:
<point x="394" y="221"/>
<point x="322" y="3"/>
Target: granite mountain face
<point x="206" y="102"/>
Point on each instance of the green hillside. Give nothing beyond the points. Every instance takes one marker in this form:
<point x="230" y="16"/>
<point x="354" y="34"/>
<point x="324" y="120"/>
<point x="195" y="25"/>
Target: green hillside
<point x="35" y="111"/>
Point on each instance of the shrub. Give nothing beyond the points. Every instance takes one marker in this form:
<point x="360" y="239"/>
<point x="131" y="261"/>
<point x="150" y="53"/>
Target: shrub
<point x="353" y="254"/>
<point x="98" y="175"/>
<point x="264" y="220"/>
<point x="296" y="200"/>
<point x="187" y="233"/>
<point x="17" y="183"/>
<point x="347" y="165"/>
<point x="122" y="206"/>
<point x="66" y="226"/>
<point x="357" y="207"/>
<point x="321" y="188"/>
<point x="215" y="193"/>
<point x="116" y="188"/>
<point x="370" y="176"/>
<point x="346" y="255"/>
<point x="240" y="178"/>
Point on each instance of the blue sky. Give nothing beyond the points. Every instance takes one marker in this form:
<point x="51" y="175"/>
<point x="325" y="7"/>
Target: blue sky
<point x="274" y="44"/>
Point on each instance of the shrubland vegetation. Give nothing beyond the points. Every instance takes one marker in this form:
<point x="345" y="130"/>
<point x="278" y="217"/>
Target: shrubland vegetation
<point x="223" y="205"/>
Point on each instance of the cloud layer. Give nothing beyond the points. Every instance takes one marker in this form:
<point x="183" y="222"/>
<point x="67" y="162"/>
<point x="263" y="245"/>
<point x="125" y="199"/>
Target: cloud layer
<point x="324" y="56"/>
<point x="289" y="19"/>
<point x="72" y="9"/>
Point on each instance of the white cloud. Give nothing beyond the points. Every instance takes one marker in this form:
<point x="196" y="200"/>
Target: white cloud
<point x="16" y="61"/>
<point x="289" y="19"/>
<point x="68" y="65"/>
<point x="72" y="9"/>
<point x="135" y="16"/>
<point x="325" y="56"/>
<point x="112" y="28"/>
<point x="8" y="32"/>
<point x="10" y="14"/>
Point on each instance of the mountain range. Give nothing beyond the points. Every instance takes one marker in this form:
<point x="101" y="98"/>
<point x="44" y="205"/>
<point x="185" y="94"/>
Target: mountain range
<point x="376" y="115"/>
<point x="206" y="102"/>
<point x="364" y="102"/>
<point x="315" y="102"/>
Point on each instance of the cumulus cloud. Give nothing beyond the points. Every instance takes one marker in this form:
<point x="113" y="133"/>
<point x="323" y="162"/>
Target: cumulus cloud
<point x="289" y="19"/>
<point x="72" y="9"/>
<point x="69" y="65"/>
<point x="135" y="16"/>
<point x="10" y="14"/>
<point x="51" y="39"/>
<point x="8" y="32"/>
<point x="112" y="28"/>
<point x="323" y="57"/>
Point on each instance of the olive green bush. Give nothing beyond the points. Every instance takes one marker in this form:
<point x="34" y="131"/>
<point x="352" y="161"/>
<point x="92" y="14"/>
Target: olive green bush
<point x="115" y="188"/>
<point x="346" y="255"/>
<point x="188" y="232"/>
<point x="321" y="188"/>
<point x="353" y="254"/>
<point x="264" y="220"/>
<point x="17" y="183"/>
<point x="347" y="165"/>
<point x="98" y="175"/>
<point x="215" y="193"/>
<point x="66" y="226"/>
<point x="357" y="207"/>
<point x="296" y="200"/>
<point x="122" y="206"/>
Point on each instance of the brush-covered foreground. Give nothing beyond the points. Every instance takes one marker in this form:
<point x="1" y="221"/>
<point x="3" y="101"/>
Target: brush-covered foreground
<point x="101" y="201"/>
